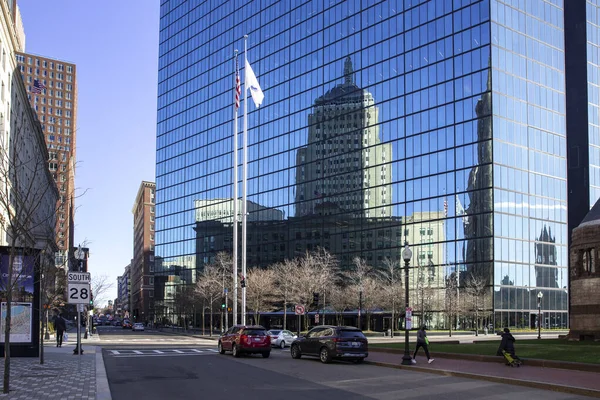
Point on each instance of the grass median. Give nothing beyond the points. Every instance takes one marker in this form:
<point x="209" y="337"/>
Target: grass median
<point x="545" y="349"/>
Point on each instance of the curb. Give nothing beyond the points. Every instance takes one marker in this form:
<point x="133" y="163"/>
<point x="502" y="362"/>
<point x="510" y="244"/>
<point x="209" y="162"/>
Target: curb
<point x="495" y="379"/>
<point x="534" y="362"/>
<point x="102" y="387"/>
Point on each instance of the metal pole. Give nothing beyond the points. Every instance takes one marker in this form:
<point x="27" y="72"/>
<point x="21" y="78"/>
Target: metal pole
<point x="323" y="320"/>
<point x="359" y="308"/>
<point x="244" y="181"/>
<point x="406" y="359"/>
<point x="78" y="331"/>
<point x="235" y="195"/>
<point x="226" y="313"/>
<point x="539" y="318"/>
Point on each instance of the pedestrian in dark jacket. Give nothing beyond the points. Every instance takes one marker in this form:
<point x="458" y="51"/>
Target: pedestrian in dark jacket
<point x="507" y="344"/>
<point x="422" y="341"/>
<point x="60" y="325"/>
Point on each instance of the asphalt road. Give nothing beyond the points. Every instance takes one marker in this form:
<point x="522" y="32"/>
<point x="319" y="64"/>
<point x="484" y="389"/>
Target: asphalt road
<point x="174" y="367"/>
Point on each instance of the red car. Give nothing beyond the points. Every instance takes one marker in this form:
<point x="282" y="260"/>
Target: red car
<point x="245" y="339"/>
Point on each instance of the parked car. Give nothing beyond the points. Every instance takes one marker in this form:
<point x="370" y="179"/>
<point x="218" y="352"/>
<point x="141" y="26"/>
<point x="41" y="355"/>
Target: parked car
<point x="126" y="324"/>
<point x="332" y="342"/>
<point x="281" y="338"/>
<point x="245" y="339"/>
<point x="138" y="326"/>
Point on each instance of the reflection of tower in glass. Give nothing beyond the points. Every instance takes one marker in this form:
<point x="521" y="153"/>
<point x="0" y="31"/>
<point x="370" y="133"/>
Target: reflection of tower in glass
<point x="343" y="166"/>
<point x="478" y="230"/>
<point x="545" y="254"/>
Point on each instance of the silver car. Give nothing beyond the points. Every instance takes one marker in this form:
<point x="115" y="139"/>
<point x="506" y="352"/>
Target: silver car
<point x="281" y="338"/>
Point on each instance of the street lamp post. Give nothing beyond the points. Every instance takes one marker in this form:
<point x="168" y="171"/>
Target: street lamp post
<point x="539" y="297"/>
<point x="406" y="255"/>
<point x="359" y="306"/>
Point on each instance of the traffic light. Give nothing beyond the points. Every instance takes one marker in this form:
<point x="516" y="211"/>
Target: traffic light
<point x="92" y="300"/>
<point x="223" y="305"/>
<point x="243" y="282"/>
<point x="315" y="298"/>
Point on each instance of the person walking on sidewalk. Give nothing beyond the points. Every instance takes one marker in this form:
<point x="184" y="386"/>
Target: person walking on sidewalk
<point x="422" y="341"/>
<point x="60" y="325"/>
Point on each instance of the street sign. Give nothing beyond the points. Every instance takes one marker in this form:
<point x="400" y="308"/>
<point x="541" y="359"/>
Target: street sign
<point x="299" y="309"/>
<point x="79" y="287"/>
<point x="80" y="307"/>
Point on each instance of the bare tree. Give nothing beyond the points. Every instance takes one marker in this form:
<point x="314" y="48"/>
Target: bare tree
<point x="260" y="290"/>
<point x="315" y="271"/>
<point x="185" y="300"/>
<point x="476" y="289"/>
<point x="340" y="300"/>
<point x="367" y="288"/>
<point x="212" y="282"/>
<point x="451" y="297"/>
<point x="391" y="285"/>
<point x="326" y="275"/>
<point x="284" y="284"/>
<point x="28" y="199"/>
<point x="100" y="285"/>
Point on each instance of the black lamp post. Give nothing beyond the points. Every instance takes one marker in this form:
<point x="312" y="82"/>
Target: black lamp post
<point x="359" y="306"/>
<point x="539" y="297"/>
<point x="406" y="255"/>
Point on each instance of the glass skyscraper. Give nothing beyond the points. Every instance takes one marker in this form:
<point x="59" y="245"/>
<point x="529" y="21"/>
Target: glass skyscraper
<point x="440" y="123"/>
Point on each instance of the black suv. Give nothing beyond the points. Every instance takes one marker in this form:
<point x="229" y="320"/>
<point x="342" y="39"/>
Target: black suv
<point x="332" y="342"/>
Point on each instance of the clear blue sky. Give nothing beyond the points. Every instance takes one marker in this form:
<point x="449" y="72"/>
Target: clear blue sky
<point x="114" y="44"/>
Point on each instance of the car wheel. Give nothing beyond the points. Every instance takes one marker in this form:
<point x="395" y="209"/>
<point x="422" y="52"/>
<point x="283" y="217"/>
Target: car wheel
<point x="221" y="349"/>
<point x="235" y="351"/>
<point x="324" y="355"/>
<point x="296" y="352"/>
<point x="282" y="344"/>
<point x="358" y="361"/>
<point x="266" y="354"/>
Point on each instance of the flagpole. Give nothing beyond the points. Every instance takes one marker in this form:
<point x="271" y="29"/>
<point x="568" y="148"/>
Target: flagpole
<point x="244" y="179"/>
<point x="235" y="192"/>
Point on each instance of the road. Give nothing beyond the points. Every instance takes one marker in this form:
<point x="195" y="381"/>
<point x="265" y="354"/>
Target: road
<point x="152" y="365"/>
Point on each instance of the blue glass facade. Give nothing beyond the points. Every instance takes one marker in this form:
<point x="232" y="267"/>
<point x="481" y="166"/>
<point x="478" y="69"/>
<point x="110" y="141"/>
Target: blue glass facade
<point x="593" y="94"/>
<point x="438" y="122"/>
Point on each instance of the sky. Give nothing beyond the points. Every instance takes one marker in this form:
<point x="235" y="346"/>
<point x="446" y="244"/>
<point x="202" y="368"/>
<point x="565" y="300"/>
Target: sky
<point x="114" y="44"/>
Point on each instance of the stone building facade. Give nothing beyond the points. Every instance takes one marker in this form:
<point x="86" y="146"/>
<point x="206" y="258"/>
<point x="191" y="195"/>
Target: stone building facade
<point x="585" y="278"/>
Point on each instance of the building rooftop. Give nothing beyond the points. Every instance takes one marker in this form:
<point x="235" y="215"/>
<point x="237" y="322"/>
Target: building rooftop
<point x="593" y="216"/>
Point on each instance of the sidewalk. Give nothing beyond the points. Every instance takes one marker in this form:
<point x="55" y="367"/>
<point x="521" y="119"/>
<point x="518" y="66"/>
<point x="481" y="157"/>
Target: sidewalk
<point x="572" y="381"/>
<point x="63" y="375"/>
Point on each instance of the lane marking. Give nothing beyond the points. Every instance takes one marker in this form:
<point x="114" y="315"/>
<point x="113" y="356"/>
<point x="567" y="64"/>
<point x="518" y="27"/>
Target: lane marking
<point x="161" y="355"/>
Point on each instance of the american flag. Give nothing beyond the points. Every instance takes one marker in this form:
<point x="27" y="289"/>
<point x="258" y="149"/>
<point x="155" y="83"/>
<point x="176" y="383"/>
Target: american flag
<point x="238" y="86"/>
<point x="37" y="86"/>
<point x="445" y="208"/>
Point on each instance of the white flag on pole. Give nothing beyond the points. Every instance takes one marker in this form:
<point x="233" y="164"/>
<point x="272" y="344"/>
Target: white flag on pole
<point x="252" y="83"/>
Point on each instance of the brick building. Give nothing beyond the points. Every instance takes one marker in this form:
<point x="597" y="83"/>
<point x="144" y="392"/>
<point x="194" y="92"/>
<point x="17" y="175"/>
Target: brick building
<point x="142" y="264"/>
<point x="585" y="278"/>
<point x="51" y="86"/>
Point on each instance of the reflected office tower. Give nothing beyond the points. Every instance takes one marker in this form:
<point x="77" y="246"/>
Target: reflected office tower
<point x="545" y="254"/>
<point x="478" y="224"/>
<point x="343" y="167"/>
